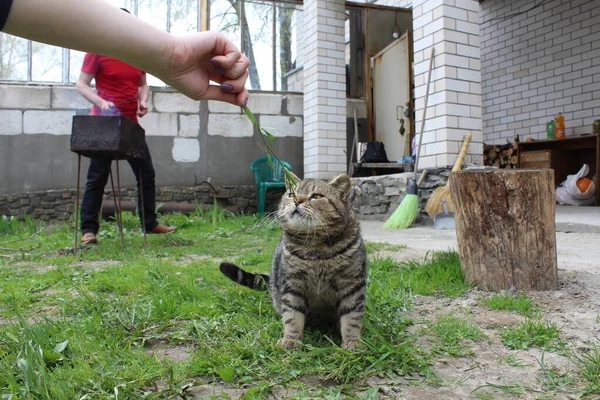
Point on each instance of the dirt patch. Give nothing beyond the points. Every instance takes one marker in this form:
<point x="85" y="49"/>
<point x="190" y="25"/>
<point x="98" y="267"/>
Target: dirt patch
<point x="178" y="352"/>
<point x="495" y="371"/>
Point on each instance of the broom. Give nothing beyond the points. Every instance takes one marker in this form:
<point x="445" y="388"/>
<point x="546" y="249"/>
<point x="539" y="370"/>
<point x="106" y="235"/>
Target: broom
<point x="407" y="211"/>
<point x="442" y="193"/>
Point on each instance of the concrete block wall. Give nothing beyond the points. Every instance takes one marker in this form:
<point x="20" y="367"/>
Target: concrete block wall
<point x="451" y="27"/>
<point x="189" y="141"/>
<point x="539" y="62"/>
<point x="324" y="89"/>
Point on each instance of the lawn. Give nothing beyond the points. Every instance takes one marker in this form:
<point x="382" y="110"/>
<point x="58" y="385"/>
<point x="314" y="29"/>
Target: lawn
<point x="160" y="321"/>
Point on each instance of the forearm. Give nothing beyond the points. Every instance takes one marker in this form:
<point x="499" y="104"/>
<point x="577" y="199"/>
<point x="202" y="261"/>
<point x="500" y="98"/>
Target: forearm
<point x="80" y="24"/>
<point x="143" y="93"/>
<point x="89" y="94"/>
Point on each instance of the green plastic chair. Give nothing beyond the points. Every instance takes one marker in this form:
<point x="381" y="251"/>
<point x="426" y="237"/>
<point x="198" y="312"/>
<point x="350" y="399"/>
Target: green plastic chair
<point x="267" y="176"/>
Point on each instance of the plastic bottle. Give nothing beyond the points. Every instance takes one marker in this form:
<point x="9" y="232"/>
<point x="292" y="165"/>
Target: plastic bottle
<point x="550" y="129"/>
<point x="560" y="126"/>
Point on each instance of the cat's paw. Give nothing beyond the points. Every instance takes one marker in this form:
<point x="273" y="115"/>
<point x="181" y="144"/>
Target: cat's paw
<point x="350" y="345"/>
<point x="289" y="344"/>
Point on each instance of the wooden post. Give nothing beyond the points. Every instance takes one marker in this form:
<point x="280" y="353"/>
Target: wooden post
<point x="505" y="228"/>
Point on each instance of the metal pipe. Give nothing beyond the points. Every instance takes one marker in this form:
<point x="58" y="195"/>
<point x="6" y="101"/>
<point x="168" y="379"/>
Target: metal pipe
<point x="141" y="197"/>
<point x="119" y="217"/>
<point x="77" y="202"/>
<point x="274" y="46"/>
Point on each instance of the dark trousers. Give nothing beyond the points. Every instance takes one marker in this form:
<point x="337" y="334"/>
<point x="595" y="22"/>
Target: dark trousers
<point x="97" y="178"/>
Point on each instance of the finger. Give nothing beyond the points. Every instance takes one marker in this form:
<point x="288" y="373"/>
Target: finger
<point x="235" y="85"/>
<point x="215" y="92"/>
<point x="227" y="54"/>
<point x="236" y="70"/>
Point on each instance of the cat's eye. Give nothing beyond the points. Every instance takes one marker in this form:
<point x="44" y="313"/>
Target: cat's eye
<point x="291" y="195"/>
<point x="316" y="196"/>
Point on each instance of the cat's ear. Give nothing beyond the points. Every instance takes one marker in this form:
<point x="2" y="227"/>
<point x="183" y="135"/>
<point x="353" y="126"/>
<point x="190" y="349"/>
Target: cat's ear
<point x="291" y="180"/>
<point x="342" y="184"/>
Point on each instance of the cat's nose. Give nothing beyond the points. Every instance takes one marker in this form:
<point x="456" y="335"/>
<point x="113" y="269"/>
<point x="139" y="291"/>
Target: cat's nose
<point x="298" y="201"/>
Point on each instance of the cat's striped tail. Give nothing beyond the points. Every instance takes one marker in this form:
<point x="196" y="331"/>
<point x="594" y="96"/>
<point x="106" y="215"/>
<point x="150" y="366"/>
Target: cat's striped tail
<point x="238" y="275"/>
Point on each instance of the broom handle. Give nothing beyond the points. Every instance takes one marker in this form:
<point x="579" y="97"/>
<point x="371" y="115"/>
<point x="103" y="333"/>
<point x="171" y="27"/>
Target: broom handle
<point x="460" y="160"/>
<point x="424" y="114"/>
<point x="422" y="178"/>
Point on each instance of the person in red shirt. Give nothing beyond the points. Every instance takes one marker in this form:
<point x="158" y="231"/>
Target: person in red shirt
<point x="120" y="90"/>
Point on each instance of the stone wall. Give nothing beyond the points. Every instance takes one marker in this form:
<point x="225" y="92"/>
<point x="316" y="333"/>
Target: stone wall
<point x="56" y="206"/>
<point x="379" y="196"/>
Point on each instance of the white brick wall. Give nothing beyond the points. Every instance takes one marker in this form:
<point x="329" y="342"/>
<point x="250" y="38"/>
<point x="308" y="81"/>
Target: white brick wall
<point x="539" y="63"/>
<point x="454" y="105"/>
<point x="395" y="3"/>
<point x="324" y="87"/>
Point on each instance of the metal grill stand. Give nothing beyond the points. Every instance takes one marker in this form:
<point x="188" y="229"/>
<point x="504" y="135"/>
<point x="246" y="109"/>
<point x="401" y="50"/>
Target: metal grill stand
<point x="114" y="138"/>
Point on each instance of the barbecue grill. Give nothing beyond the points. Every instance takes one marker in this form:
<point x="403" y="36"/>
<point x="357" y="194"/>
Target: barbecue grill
<point x="113" y="138"/>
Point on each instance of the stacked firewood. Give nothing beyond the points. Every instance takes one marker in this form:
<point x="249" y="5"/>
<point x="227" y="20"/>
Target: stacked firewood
<point x="501" y="156"/>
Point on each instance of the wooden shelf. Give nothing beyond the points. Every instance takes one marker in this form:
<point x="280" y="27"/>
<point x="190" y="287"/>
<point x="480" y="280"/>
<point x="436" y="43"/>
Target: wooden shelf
<point x="565" y="156"/>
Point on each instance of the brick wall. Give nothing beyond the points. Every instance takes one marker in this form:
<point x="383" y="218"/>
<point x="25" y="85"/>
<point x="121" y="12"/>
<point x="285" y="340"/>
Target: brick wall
<point x="454" y="105"/>
<point x="324" y="89"/>
<point x="537" y="63"/>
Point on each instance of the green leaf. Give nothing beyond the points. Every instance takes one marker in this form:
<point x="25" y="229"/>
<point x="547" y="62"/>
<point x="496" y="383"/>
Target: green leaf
<point x="59" y="348"/>
<point x="227" y="374"/>
<point x="252" y="394"/>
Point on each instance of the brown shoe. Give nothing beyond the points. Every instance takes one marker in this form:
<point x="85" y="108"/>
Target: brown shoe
<point x="161" y="229"/>
<point x="89" y="238"/>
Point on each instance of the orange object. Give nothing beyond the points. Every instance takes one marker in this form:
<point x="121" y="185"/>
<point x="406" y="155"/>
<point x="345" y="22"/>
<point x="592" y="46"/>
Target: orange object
<point x="583" y="184"/>
<point x="560" y="126"/>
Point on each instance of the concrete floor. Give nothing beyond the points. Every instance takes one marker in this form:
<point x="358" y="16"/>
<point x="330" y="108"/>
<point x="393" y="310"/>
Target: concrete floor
<point x="577" y="236"/>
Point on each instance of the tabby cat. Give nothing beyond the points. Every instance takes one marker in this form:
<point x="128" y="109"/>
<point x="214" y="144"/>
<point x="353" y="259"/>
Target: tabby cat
<point x="319" y="270"/>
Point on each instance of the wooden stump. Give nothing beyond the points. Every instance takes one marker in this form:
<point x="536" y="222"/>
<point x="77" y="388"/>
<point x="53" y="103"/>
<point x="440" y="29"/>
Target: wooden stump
<point x="505" y="228"/>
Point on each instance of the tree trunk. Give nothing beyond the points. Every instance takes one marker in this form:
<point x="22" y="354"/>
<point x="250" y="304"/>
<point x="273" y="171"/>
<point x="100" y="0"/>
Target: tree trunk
<point x="505" y="228"/>
<point x="247" y="47"/>
<point x="285" y="37"/>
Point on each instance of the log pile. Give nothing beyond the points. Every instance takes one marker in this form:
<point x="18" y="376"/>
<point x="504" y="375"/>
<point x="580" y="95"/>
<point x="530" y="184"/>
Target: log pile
<point x="501" y="156"/>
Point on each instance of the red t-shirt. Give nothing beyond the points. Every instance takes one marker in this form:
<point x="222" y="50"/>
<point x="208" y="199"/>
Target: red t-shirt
<point x="116" y="82"/>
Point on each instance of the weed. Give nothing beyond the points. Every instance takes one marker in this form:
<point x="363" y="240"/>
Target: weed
<point x="513" y="361"/>
<point x="450" y="332"/>
<point x="521" y="303"/>
<point x="514" y="390"/>
<point x="589" y="369"/>
<point x="17" y="226"/>
<point x="533" y="333"/>
<point x="551" y="377"/>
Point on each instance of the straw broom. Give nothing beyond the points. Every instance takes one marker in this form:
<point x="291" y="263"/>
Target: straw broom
<point x="442" y="193"/>
<point x="407" y="211"/>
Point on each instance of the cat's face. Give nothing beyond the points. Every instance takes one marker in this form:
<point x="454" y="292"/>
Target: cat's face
<point x="315" y="207"/>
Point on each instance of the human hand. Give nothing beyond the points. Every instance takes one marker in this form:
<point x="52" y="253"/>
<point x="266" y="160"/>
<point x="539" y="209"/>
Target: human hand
<point x="106" y="106"/>
<point x="142" y="109"/>
<point x="198" y="58"/>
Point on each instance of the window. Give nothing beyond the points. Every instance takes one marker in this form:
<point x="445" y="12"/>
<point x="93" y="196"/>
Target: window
<point x="267" y="33"/>
<point x="271" y="29"/>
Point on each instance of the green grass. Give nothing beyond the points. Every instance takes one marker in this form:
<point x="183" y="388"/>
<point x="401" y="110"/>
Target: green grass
<point x="450" y="333"/>
<point x="513" y="361"/>
<point x="551" y="377"/>
<point x="589" y="370"/>
<point x="519" y="303"/>
<point x="533" y="333"/>
<point x="86" y="325"/>
<point x="438" y="274"/>
<point x="374" y="247"/>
